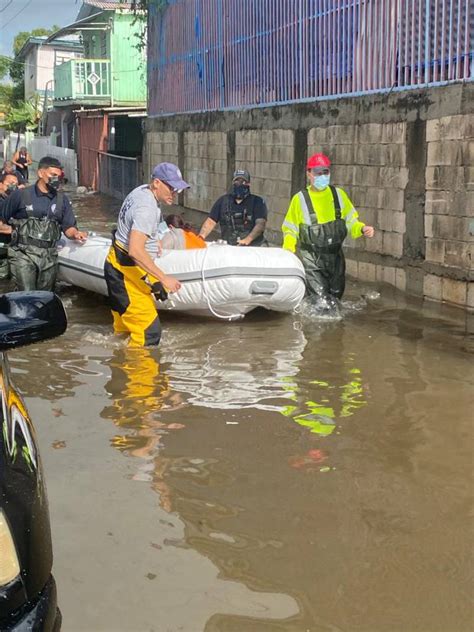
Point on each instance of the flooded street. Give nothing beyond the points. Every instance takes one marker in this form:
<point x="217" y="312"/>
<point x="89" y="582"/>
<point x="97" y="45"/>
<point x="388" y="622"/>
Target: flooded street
<point x="280" y="473"/>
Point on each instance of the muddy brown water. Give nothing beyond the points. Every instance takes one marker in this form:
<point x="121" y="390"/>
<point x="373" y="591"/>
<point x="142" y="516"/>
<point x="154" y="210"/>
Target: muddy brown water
<point x="283" y="473"/>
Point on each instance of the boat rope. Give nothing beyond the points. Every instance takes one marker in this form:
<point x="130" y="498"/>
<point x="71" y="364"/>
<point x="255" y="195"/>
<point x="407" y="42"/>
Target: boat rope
<point x="206" y="295"/>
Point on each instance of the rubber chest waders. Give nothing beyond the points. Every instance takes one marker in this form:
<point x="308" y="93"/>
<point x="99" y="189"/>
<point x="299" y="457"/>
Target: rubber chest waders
<point x="32" y="252"/>
<point x="133" y="308"/>
<point x="238" y="223"/>
<point x="320" y="249"/>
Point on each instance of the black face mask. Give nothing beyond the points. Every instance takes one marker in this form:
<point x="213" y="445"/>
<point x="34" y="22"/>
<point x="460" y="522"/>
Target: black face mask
<point x="53" y="183"/>
<point x="240" y="191"/>
<point x="11" y="188"/>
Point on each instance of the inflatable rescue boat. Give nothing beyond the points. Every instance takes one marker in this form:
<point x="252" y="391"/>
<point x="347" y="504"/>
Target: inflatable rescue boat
<point x="220" y="280"/>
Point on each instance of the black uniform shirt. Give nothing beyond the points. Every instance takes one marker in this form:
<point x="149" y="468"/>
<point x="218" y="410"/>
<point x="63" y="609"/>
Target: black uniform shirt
<point x="4" y="239"/>
<point x="44" y="205"/>
<point x="220" y="206"/>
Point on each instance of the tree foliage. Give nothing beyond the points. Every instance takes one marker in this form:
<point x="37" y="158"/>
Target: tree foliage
<point x="5" y="63"/>
<point x="22" y="117"/>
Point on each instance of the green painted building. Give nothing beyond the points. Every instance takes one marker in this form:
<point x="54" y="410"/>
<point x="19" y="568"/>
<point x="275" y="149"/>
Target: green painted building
<point x="113" y="70"/>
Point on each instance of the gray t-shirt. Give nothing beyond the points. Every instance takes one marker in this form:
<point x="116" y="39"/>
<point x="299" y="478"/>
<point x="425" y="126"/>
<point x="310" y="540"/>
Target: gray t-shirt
<point x="139" y="211"/>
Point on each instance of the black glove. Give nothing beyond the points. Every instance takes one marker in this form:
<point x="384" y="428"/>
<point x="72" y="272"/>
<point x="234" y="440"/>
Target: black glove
<point x="159" y="291"/>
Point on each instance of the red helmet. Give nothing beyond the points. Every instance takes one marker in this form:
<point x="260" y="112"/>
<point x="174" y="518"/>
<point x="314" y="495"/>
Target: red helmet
<point x="318" y="160"/>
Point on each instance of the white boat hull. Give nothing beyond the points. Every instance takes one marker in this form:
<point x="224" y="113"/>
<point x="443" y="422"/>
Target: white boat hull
<point x="222" y="281"/>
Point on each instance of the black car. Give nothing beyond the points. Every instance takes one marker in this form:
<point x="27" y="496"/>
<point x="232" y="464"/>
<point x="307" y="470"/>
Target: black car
<point x="27" y="588"/>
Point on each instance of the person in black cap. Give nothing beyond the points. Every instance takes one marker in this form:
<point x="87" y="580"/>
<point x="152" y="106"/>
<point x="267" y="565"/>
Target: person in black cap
<point x="35" y="217"/>
<point x="241" y="215"/>
<point x="130" y="271"/>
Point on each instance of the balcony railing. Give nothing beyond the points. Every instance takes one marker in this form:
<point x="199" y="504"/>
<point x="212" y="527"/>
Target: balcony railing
<point x="82" y="80"/>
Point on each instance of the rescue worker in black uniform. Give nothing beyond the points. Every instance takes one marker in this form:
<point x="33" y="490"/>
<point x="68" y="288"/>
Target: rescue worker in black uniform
<point x="241" y="215"/>
<point x="317" y="222"/>
<point x="35" y="217"/>
<point x="8" y="184"/>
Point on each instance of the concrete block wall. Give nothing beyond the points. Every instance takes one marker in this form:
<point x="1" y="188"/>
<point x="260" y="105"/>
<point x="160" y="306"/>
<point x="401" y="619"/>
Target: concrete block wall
<point x="449" y="207"/>
<point x="159" y="147"/>
<point x="370" y="165"/>
<point x="269" y="156"/>
<point x="404" y="158"/>
<point x="205" y="168"/>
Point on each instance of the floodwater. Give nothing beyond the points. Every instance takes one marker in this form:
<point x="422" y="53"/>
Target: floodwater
<point x="282" y="473"/>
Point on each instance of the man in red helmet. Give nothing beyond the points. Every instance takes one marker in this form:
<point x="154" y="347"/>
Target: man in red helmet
<point x="318" y="220"/>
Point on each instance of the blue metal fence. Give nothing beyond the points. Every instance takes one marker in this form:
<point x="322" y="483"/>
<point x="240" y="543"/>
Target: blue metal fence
<point x="225" y="54"/>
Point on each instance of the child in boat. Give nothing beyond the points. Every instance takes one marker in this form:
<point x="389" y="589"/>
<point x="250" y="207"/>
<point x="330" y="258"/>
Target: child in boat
<point x="181" y="235"/>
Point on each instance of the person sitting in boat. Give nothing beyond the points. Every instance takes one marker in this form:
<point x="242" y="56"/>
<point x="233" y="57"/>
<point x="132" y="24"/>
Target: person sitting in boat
<point x="180" y="235"/>
<point x="241" y="215"/>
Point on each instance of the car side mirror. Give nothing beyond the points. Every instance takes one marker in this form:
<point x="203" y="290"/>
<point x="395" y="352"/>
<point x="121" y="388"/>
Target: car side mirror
<point x="28" y="317"/>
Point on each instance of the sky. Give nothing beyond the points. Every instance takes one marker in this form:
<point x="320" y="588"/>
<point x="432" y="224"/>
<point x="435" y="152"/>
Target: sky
<point x="33" y="14"/>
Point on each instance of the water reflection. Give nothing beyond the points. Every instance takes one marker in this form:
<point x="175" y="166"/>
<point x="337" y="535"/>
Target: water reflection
<point x="140" y="392"/>
<point x="234" y="370"/>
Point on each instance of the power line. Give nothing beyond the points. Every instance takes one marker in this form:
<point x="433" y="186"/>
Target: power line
<point x="23" y="63"/>
<point x="6" y="6"/>
<point x="17" y="14"/>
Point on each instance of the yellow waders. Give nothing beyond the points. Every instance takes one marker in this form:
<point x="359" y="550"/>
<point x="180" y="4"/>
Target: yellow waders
<point x="133" y="308"/>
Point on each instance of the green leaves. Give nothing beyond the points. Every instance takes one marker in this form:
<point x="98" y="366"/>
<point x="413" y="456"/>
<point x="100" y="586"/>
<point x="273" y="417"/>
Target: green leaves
<point x="22" y="117"/>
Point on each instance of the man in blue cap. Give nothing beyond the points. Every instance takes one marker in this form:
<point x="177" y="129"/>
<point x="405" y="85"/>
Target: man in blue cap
<point x="130" y="272"/>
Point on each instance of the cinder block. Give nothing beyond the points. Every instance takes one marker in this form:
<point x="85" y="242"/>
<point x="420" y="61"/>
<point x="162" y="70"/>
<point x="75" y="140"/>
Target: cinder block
<point x="470" y="295"/>
<point x="282" y="153"/>
<point x="341" y="134"/>
<point x="432" y="287"/>
<point x="368" y="216"/>
<point x="343" y="175"/>
<point x="370" y="133"/>
<point x="400" y="279"/>
<point x="278" y="137"/>
<point x="450" y="228"/>
<point x="366" y="271"/>
<point x="469" y="178"/>
<point x="392" y="244"/>
<point x="342" y="154"/>
<point x="451" y="153"/>
<point x="388" y="275"/>
<point x="352" y="268"/>
<point x="446" y="178"/>
<point x="396" y="177"/>
<point x="456" y="203"/>
<point x="366" y="175"/>
<point x="383" y="155"/>
<point x="398" y="222"/>
<point x="393" y="199"/>
<point x="317" y="136"/>
<point x="435" y="250"/>
<point x="432" y="131"/>
<point x="394" y="133"/>
<point x="385" y="220"/>
<point x="454" y="291"/>
<point x="458" y="127"/>
<point x="458" y="254"/>
<point x="375" y="244"/>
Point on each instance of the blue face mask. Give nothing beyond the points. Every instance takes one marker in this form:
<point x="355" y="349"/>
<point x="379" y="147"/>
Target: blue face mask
<point x="321" y="182"/>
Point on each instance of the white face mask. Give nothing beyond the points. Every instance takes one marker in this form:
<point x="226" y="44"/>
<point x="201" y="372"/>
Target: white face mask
<point x="321" y="182"/>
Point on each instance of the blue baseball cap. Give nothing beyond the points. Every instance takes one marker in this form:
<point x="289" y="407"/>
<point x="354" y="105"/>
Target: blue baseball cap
<point x="170" y="173"/>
